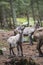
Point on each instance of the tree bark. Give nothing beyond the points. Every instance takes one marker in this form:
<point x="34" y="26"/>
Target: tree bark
<point x="32" y="8"/>
<point x="28" y="18"/>
<point x="13" y="13"/>
<point x="37" y="1"/>
<point x="3" y="16"/>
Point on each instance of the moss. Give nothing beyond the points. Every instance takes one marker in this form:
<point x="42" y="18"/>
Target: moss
<point x="1" y="52"/>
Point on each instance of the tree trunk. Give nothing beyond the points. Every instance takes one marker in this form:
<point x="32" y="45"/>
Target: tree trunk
<point x="37" y="1"/>
<point x="3" y="16"/>
<point x="13" y="13"/>
<point x="28" y="18"/>
<point x="32" y="8"/>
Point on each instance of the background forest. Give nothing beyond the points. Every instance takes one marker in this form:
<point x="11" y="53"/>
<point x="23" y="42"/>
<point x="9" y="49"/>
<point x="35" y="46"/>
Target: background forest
<point x="20" y="12"/>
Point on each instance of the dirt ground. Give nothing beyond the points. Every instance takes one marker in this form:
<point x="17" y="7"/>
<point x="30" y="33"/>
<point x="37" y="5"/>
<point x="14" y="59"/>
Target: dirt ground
<point x="28" y="50"/>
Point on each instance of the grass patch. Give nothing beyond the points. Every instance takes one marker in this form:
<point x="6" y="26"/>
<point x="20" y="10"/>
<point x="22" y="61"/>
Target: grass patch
<point x="21" y="20"/>
<point x="24" y="20"/>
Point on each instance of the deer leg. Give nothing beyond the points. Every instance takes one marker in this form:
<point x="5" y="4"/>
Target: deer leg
<point x="31" y="41"/>
<point x="18" y="48"/>
<point x="21" y="49"/>
<point x="39" y="47"/>
<point x="13" y="52"/>
<point x="10" y="49"/>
